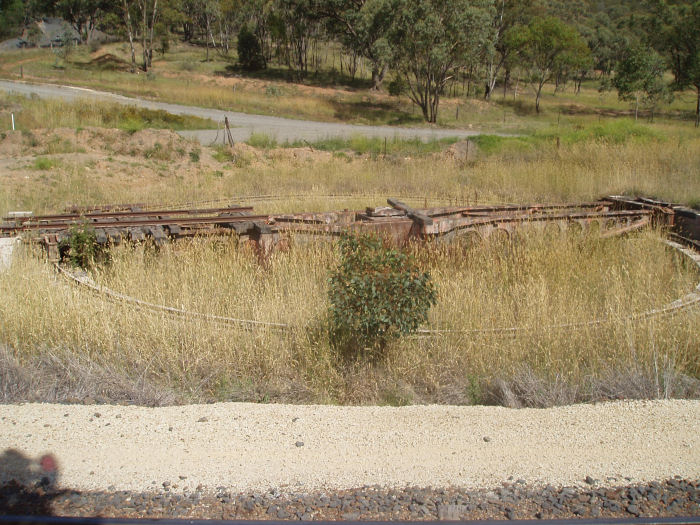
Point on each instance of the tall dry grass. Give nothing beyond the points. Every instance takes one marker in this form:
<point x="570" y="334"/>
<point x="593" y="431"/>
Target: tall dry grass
<point x="540" y="280"/>
<point x="587" y="170"/>
<point x="41" y="113"/>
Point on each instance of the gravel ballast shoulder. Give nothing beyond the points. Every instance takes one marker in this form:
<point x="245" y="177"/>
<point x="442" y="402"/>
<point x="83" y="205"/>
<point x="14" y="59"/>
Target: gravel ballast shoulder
<point x="254" y="448"/>
<point x="511" y="500"/>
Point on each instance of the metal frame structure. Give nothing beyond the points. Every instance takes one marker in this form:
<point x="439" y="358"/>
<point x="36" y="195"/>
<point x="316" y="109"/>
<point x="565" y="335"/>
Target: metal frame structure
<point x="398" y="222"/>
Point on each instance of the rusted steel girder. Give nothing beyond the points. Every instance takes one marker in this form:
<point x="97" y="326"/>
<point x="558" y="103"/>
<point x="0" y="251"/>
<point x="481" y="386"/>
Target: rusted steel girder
<point x="397" y="222"/>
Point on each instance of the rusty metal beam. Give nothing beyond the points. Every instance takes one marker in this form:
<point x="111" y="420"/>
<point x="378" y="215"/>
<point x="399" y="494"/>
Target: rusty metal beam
<point x="616" y="216"/>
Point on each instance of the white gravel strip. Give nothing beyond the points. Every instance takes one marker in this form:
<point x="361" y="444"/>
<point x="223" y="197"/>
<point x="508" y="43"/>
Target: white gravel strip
<point x="251" y="447"/>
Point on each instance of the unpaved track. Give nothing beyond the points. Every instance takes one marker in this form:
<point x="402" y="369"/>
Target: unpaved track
<point x="255" y="447"/>
<point x="282" y="129"/>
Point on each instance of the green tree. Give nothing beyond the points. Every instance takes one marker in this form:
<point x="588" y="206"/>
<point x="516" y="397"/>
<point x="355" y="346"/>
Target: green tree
<point x="376" y="294"/>
<point x="639" y="77"/>
<point x="674" y="30"/>
<point x="433" y="40"/>
<point x="508" y="15"/>
<point x="82" y="15"/>
<point x="11" y="18"/>
<point x="545" y="46"/>
<point x="297" y="26"/>
<point x="362" y="26"/>
<point x="250" y="54"/>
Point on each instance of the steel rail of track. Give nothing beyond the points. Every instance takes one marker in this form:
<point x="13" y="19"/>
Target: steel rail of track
<point x="51" y="520"/>
<point x="248" y="324"/>
<point x="138" y="222"/>
<point x="688" y="301"/>
<point x="399" y="220"/>
<point x="126" y="214"/>
<point x="272" y="198"/>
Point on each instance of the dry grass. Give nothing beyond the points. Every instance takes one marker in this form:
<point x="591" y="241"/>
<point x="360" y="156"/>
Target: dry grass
<point x="530" y="283"/>
<point x="182" y="76"/>
<point x="37" y="113"/>
<point x="122" y="172"/>
<point x="60" y="342"/>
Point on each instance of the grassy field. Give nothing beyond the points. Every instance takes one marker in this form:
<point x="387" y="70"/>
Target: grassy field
<point x="529" y="284"/>
<point x="58" y="342"/>
<point x="182" y="76"/>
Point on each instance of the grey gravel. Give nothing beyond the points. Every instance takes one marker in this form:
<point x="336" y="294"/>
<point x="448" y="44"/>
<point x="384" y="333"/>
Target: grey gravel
<point x="243" y="124"/>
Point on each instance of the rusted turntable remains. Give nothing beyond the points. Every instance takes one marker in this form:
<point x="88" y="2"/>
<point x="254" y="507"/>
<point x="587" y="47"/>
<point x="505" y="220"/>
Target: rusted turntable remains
<point x="610" y="216"/>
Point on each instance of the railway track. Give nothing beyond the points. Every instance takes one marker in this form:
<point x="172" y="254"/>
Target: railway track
<point x="610" y="216"/>
<point x="38" y="520"/>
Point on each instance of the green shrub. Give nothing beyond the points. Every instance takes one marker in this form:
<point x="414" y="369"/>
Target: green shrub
<point x="261" y="141"/>
<point x="398" y="86"/>
<point x="250" y="54"/>
<point x="223" y="153"/>
<point x="44" y="164"/>
<point x="81" y="248"/>
<point x="376" y="294"/>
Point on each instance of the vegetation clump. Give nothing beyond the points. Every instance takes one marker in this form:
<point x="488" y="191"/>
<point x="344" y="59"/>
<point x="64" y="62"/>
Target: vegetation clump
<point x="376" y="294"/>
<point x="249" y="51"/>
<point x="81" y="248"/>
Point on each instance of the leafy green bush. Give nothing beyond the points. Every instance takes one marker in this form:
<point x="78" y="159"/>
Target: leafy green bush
<point x="377" y="294"/>
<point x="81" y="248"/>
<point x="398" y="86"/>
<point x="249" y="51"/>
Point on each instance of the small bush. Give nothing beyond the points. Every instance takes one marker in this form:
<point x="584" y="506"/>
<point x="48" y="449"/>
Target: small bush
<point x="273" y="91"/>
<point x="81" y="248"/>
<point x="397" y="86"/>
<point x="188" y="65"/>
<point x="194" y="155"/>
<point x="261" y="141"/>
<point x="223" y="153"/>
<point x="44" y="164"/>
<point x="377" y="294"/>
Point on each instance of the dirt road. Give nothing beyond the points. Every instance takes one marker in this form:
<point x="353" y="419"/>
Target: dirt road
<point x="282" y="129"/>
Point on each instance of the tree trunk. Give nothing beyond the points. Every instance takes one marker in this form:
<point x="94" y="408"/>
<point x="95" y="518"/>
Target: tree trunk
<point x="144" y="33"/>
<point x="506" y="80"/>
<point x="537" y="99"/>
<point x="378" y="77"/>
<point x="151" y="32"/>
<point x="130" y="32"/>
<point x="636" y="108"/>
<point x="697" y="108"/>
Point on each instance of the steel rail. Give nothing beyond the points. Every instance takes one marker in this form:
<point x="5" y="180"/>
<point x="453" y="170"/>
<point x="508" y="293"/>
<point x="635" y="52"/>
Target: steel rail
<point x="55" y="520"/>
<point x="688" y="301"/>
<point x="248" y="324"/>
<point x="127" y="214"/>
<point x="179" y="221"/>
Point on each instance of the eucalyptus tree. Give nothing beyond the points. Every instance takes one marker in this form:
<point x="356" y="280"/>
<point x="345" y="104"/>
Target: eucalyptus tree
<point x="546" y="45"/>
<point x="82" y="15"/>
<point x="639" y="77"/>
<point x="509" y="14"/>
<point x="361" y="26"/>
<point x="139" y="18"/>
<point x="433" y="40"/>
<point x="674" y="30"/>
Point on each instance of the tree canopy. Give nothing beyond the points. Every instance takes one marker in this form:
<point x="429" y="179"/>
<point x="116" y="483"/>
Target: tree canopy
<point x="432" y="40"/>
<point x="427" y="45"/>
